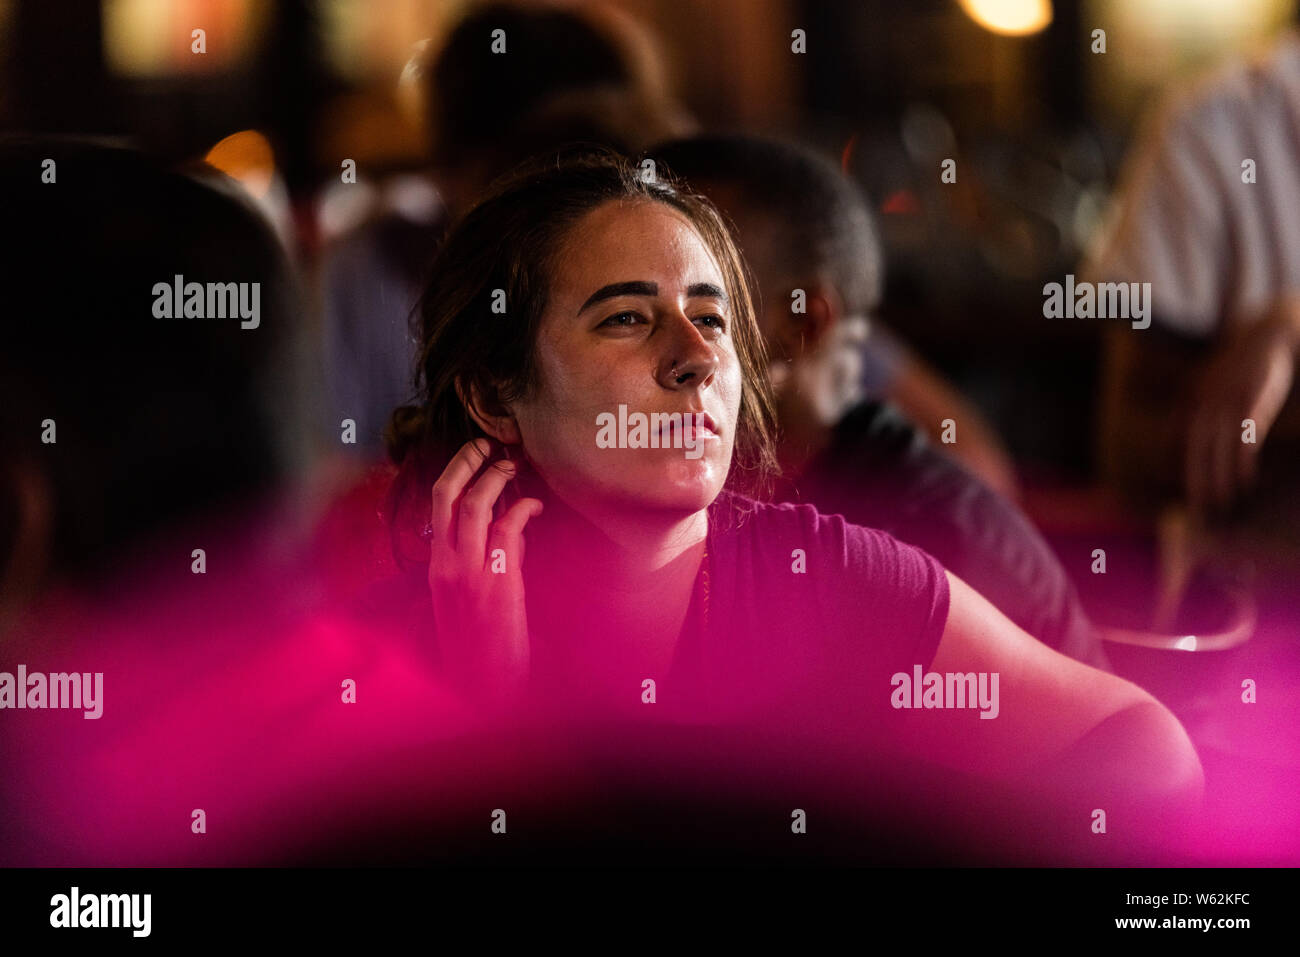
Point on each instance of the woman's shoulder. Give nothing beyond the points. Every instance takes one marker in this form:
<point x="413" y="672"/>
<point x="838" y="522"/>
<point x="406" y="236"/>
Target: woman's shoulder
<point x="834" y="585"/>
<point x="822" y="555"/>
<point x="735" y="512"/>
<point x="749" y="521"/>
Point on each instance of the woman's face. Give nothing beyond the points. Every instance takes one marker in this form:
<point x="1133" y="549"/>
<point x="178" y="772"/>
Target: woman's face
<point x="634" y="292"/>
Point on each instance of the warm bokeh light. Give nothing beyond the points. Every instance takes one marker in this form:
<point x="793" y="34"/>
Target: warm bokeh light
<point x="247" y="157"/>
<point x="1201" y="17"/>
<point x="1152" y="42"/>
<point x="1014" y="18"/>
<point x="366" y="40"/>
<point x="155" y="37"/>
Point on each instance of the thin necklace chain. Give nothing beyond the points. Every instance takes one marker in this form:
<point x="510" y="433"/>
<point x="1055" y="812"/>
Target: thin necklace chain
<point x="705" y="564"/>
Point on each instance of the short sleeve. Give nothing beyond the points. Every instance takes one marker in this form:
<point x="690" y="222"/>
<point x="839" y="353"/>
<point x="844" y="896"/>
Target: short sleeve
<point x="810" y="609"/>
<point x="888" y="601"/>
<point x="858" y="599"/>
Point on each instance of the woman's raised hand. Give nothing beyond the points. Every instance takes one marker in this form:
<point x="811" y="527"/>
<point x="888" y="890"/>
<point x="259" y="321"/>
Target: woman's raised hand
<point x="475" y="577"/>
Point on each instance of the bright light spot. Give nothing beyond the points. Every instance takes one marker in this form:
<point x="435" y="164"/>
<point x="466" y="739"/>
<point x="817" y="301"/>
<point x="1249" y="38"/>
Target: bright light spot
<point x="247" y="157"/>
<point x="1015" y="18"/>
<point x="1202" y="17"/>
<point x="148" y="38"/>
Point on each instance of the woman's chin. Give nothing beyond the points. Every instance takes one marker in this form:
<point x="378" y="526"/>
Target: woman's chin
<point x="685" y="492"/>
<point x="654" y="480"/>
<point x="689" y="495"/>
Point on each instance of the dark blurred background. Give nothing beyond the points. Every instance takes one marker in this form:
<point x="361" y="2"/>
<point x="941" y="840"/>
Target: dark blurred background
<point x="1009" y="88"/>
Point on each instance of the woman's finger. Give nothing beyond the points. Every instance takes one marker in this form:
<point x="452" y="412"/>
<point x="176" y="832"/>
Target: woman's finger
<point x="448" y="488"/>
<point x="474" y="513"/>
<point x="508" y="531"/>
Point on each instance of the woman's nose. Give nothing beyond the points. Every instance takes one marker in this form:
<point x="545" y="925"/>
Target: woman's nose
<point x="690" y="358"/>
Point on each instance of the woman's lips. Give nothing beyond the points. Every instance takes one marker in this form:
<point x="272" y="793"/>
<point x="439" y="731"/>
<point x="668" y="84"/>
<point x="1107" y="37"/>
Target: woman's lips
<point x="694" y="427"/>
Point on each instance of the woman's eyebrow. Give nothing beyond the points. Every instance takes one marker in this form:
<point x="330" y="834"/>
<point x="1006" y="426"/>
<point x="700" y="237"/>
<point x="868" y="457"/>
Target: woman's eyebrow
<point x="708" y="290"/>
<point x="641" y="288"/>
<point x="621" y="289"/>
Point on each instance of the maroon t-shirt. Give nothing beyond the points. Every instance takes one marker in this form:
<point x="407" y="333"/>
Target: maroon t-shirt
<point x="807" y="612"/>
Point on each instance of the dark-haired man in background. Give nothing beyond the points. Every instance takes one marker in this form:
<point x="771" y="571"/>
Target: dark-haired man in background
<point x="803" y="226"/>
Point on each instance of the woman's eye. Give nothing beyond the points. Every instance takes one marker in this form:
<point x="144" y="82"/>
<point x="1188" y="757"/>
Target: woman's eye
<point x="631" y="318"/>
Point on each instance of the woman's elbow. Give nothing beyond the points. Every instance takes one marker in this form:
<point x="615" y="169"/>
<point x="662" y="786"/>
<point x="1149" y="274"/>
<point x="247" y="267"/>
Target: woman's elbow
<point x="1140" y="753"/>
<point x="1173" y="766"/>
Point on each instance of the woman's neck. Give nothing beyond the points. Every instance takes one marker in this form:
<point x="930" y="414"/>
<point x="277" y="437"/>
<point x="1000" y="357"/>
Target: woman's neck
<point x="629" y="544"/>
<point x="620" y="551"/>
<point x="609" y="601"/>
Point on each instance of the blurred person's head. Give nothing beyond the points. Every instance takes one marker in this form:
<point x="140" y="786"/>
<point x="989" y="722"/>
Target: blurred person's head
<point x="609" y="291"/>
<point x="807" y="233"/>
<point x="566" y="75"/>
<point x="116" y="423"/>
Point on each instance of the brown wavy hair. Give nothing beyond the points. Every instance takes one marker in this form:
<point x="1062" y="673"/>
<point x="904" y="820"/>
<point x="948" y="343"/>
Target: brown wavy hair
<point x="509" y="241"/>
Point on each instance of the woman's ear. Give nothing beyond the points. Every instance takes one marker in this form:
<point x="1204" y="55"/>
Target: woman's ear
<point x="492" y="417"/>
